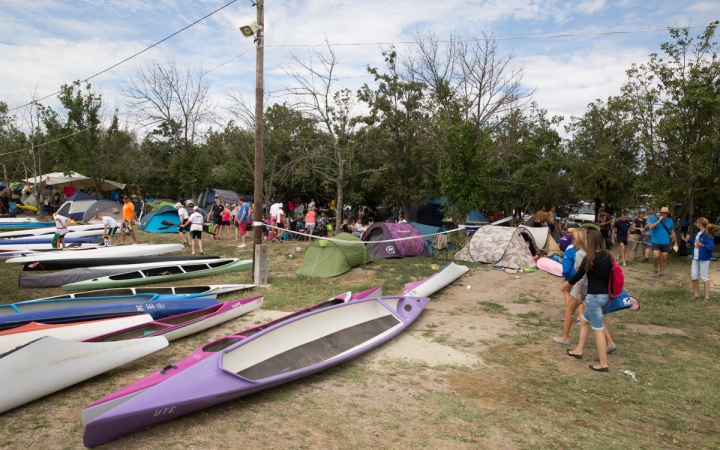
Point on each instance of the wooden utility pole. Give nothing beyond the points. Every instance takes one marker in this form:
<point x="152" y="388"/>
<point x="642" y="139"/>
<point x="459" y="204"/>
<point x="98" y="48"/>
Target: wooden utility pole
<point x="260" y="251"/>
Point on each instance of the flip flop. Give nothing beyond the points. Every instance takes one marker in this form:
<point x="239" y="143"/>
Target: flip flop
<point x="598" y="369"/>
<point x="574" y="356"/>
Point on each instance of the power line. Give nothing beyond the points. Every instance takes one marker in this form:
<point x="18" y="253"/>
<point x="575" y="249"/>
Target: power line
<point x="136" y="54"/>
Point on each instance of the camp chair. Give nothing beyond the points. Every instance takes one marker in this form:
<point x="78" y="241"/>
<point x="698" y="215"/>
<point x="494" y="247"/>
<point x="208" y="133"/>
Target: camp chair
<point x="439" y="246"/>
<point x="294" y="227"/>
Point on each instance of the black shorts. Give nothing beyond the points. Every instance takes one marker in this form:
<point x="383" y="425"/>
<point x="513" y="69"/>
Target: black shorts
<point x="663" y="248"/>
<point x="623" y="242"/>
<point x="225" y="222"/>
<point x="183" y="228"/>
<point x="537" y="225"/>
<point x="111" y="231"/>
<point x="217" y="220"/>
<point x="196" y="234"/>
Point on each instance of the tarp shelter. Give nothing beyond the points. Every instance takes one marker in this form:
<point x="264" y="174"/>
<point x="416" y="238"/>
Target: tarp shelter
<point x="426" y="230"/>
<point x="76" y="205"/>
<point x="152" y="222"/>
<point x="208" y="196"/>
<point x="72" y="179"/>
<point x="104" y="207"/>
<point x="324" y="258"/>
<point x="387" y="231"/>
<point x="500" y="246"/>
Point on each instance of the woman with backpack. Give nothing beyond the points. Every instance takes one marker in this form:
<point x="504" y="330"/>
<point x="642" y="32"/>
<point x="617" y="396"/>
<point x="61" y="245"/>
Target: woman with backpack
<point x="597" y="265"/>
<point x="703" y="245"/>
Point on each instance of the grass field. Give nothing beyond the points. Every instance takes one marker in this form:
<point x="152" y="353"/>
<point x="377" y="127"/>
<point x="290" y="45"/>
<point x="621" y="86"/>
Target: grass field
<point x="521" y="391"/>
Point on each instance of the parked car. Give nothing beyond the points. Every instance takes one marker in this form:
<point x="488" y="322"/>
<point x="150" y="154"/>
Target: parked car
<point x="585" y="212"/>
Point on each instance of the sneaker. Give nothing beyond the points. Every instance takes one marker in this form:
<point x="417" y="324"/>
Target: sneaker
<point x="662" y="275"/>
<point x="646" y="260"/>
<point x="576" y="321"/>
<point x="654" y="273"/>
<point x="611" y="349"/>
<point x="242" y="246"/>
<point x="557" y="340"/>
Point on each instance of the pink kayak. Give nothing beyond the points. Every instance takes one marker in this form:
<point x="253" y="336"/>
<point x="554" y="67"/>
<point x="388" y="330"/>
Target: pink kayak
<point x="121" y="396"/>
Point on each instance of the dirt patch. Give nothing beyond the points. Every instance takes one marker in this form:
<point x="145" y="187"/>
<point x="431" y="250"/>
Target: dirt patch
<point x="653" y="330"/>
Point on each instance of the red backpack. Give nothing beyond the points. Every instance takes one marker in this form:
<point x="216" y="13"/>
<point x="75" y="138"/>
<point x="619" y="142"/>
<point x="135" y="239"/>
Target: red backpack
<point x="617" y="280"/>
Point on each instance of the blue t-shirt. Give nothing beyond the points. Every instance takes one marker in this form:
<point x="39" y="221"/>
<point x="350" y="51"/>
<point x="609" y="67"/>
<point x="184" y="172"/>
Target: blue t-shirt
<point x="244" y="209"/>
<point x="659" y="234"/>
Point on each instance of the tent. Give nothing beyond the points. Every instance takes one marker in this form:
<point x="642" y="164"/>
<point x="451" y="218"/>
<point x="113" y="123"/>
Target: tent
<point x="208" y="196"/>
<point x="152" y="222"/>
<point x="476" y="217"/>
<point x="386" y="231"/>
<point x="104" y="207"/>
<point x="425" y="230"/>
<point x="72" y="179"/>
<point x="76" y="205"/>
<point x="501" y="246"/>
<point x="158" y="203"/>
<point x="324" y="258"/>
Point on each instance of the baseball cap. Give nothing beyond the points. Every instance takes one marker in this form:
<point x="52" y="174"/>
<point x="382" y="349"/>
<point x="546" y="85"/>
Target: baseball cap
<point x="178" y="205"/>
<point x="196" y="208"/>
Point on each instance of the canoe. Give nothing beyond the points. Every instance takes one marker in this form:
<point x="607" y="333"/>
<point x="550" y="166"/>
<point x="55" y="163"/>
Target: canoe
<point x="285" y="352"/>
<point x="47" y="365"/>
<point x="73" y="263"/>
<point x="45" y="248"/>
<point x="37" y="240"/>
<point x="13" y="254"/>
<point x="17" y="220"/>
<point x="216" y="289"/>
<point x="15" y="337"/>
<point x="10" y="226"/>
<point x="435" y="282"/>
<point x="182" y="325"/>
<point x="105" y="404"/>
<point x="76" y="310"/>
<point x="101" y="252"/>
<point x="76" y="230"/>
<point x="161" y="274"/>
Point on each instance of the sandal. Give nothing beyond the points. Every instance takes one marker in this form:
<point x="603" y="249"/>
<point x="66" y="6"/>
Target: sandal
<point x="558" y="340"/>
<point x="707" y="300"/>
<point x="697" y="296"/>
<point x="574" y="356"/>
<point x="598" y="369"/>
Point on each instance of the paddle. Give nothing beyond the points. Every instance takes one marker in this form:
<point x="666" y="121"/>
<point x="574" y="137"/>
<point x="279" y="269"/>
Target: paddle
<point x="167" y="224"/>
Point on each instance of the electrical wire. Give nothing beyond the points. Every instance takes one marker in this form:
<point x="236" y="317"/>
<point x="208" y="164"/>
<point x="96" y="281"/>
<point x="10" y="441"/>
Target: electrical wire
<point x="136" y="54"/>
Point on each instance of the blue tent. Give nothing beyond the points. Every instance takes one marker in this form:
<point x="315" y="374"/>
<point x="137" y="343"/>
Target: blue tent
<point x="477" y="217"/>
<point x="152" y="222"/>
<point x="427" y="229"/>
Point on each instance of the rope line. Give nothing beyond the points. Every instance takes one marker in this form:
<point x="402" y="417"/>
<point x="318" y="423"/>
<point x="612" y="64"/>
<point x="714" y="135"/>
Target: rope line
<point x="422" y="236"/>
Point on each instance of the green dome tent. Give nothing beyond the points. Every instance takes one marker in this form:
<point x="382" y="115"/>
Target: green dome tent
<point x="326" y="259"/>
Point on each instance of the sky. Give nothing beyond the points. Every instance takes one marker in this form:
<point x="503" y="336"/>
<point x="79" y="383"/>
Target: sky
<point x="46" y="43"/>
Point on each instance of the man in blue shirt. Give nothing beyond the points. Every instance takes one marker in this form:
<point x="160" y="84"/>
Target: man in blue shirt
<point x="243" y="218"/>
<point x="662" y="230"/>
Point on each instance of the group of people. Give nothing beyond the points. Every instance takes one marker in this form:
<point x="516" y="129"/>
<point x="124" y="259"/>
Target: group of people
<point x="223" y="217"/>
<point x="110" y="226"/>
<point x="587" y="269"/>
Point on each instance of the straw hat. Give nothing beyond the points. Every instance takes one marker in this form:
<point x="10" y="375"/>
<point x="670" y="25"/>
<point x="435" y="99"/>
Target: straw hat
<point x="664" y="210"/>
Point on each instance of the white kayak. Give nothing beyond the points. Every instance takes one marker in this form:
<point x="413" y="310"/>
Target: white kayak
<point x="79" y="331"/>
<point x="432" y="284"/>
<point x="217" y="289"/>
<point x="73" y="231"/>
<point x="49" y="365"/>
<point x="41" y="248"/>
<point x="18" y="220"/>
<point x="100" y="252"/>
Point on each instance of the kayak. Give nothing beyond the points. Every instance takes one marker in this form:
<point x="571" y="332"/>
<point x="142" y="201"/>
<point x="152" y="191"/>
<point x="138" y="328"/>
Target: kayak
<point x="436" y="281"/>
<point x="182" y="325"/>
<point x="15" y="337"/>
<point x="285" y="352"/>
<point x="36" y="240"/>
<point x="76" y="230"/>
<point x="120" y="396"/>
<point x="170" y="272"/>
<point x="216" y="289"/>
<point x="74" y="263"/>
<point x="100" y="252"/>
<point x="45" y="248"/>
<point x="47" y="365"/>
<point x="76" y="310"/>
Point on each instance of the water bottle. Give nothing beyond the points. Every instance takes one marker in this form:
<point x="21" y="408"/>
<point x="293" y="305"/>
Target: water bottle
<point x="528" y="270"/>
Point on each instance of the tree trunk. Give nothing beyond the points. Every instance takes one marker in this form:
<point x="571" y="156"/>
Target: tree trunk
<point x="340" y="194"/>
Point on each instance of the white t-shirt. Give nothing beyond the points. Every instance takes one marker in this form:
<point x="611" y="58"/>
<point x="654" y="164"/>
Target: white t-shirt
<point x="276" y="211"/>
<point x="110" y="222"/>
<point x="196" y="221"/>
<point x="311" y="205"/>
<point x="182" y="212"/>
<point x="61" y="224"/>
<point x="696" y="251"/>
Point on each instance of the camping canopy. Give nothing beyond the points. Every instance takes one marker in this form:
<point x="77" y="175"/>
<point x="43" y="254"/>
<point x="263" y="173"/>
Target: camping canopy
<point x="385" y="231"/>
<point x="326" y="259"/>
<point x="76" y="205"/>
<point x="72" y="179"/>
<point x="502" y="246"/>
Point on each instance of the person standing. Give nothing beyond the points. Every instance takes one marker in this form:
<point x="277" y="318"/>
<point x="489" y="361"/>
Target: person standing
<point x="637" y="235"/>
<point x="216" y="214"/>
<point x="605" y="221"/>
<point x="109" y="228"/>
<point x="195" y="222"/>
<point x="703" y="245"/>
<point x="310" y="220"/>
<point x="662" y="232"/>
<point x="243" y="218"/>
<point x="61" y="229"/>
<point x="182" y="229"/>
<point x="225" y="225"/>
<point x="620" y="233"/>
<point x="311" y="205"/>
<point x="597" y="265"/>
<point x="129" y="217"/>
<point x="539" y="217"/>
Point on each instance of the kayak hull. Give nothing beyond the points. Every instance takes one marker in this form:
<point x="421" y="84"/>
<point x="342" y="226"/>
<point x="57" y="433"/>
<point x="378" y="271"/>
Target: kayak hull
<point x="435" y="282"/>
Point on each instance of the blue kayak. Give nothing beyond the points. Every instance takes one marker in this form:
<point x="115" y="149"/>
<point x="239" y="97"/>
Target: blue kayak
<point x="48" y="240"/>
<point x="7" y="226"/>
<point x="93" y="308"/>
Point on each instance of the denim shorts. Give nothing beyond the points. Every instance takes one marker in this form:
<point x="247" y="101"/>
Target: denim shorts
<point x="594" y="304"/>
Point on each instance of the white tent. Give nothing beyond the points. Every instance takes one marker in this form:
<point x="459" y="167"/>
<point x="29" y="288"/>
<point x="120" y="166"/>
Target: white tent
<point x="72" y="179"/>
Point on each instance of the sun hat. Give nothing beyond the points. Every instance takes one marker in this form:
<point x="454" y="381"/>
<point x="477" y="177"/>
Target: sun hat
<point x="664" y="210"/>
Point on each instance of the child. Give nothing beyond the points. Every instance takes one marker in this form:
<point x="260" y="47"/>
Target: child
<point x="109" y="228"/>
<point x="195" y="221"/>
<point x="620" y="232"/>
<point x="61" y="229"/>
<point x="703" y="245"/>
<point x="225" y="224"/>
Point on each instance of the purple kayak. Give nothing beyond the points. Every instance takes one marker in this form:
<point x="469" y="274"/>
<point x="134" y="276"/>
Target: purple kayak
<point x="120" y="396"/>
<point x="285" y="352"/>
